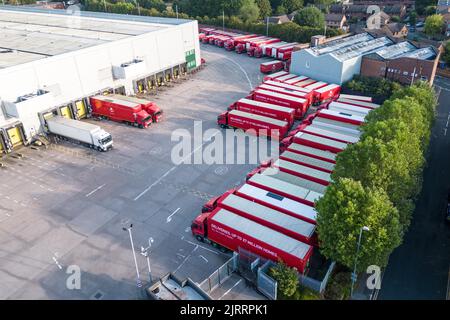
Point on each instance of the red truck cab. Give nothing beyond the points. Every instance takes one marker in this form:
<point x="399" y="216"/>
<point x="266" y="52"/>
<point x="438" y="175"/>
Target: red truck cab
<point x="199" y="227"/>
<point x="240" y="48"/>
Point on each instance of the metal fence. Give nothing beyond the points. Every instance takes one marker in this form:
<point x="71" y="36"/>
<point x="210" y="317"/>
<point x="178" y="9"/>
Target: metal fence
<point x="266" y="284"/>
<point x="317" y="285"/>
<point x="220" y="275"/>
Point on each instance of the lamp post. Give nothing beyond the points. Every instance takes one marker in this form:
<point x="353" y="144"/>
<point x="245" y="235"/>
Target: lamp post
<point x="356" y="258"/>
<point x="145" y="252"/>
<point x="138" y="279"/>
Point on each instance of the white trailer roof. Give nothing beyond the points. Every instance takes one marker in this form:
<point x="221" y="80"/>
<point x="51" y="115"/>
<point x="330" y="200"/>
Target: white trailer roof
<point x="269" y="87"/>
<point x="270" y="215"/>
<point x="316" y="85"/>
<point x="278" y="74"/>
<point x="285" y="187"/>
<point x="310" y="172"/>
<point x="359" y="103"/>
<point x="77" y="124"/>
<point x="348" y="128"/>
<point x="276" y="44"/>
<point x="287" y="86"/>
<point x="342" y="115"/>
<point x="298" y="181"/>
<point x="280" y="95"/>
<point x="267" y="105"/>
<point x="314" y="151"/>
<point x="317" y="130"/>
<point x="128" y="98"/>
<point x="345" y="107"/>
<point x="286" y="77"/>
<point x="331" y="86"/>
<point x="258" y="231"/>
<point x="293" y="156"/>
<point x="296" y="79"/>
<point x="305" y="83"/>
<point x="117" y="101"/>
<point x="355" y="97"/>
<point x="279" y="201"/>
<point x="252" y="116"/>
<point x="320" y="140"/>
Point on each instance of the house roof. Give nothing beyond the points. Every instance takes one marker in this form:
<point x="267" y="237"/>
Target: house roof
<point x="395" y="9"/>
<point x="280" y="19"/>
<point x="395" y="27"/>
<point x="334" y="17"/>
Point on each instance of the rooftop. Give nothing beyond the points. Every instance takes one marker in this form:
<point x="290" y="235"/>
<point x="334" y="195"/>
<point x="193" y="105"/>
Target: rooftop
<point x="406" y="49"/>
<point x="29" y="34"/>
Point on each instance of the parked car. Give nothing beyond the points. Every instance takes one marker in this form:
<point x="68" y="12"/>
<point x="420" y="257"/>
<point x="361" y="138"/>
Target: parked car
<point x="420" y="24"/>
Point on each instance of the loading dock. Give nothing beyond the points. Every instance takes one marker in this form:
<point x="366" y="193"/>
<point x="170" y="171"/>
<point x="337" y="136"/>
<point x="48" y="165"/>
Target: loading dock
<point x="14" y="136"/>
<point x="80" y="109"/>
<point x="66" y="111"/>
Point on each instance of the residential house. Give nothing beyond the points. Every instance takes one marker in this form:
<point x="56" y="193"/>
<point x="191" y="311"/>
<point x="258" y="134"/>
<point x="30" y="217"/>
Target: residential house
<point x="337" y="21"/>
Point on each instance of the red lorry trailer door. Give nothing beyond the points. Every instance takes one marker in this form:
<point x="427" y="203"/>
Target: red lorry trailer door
<point x="233" y="232"/>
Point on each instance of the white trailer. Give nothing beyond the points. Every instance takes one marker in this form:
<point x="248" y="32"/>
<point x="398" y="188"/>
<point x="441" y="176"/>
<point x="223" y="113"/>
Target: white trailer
<point x="358" y="103"/>
<point x="85" y="133"/>
<point x="347" y="128"/>
<point x="313" y="152"/>
<point x="330" y="134"/>
<point x="345" y="107"/>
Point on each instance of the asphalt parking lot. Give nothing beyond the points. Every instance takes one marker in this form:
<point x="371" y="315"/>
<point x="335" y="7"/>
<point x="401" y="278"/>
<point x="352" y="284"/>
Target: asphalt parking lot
<point x="66" y="205"/>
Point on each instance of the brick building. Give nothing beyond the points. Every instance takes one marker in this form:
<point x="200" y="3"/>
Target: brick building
<point x="404" y="62"/>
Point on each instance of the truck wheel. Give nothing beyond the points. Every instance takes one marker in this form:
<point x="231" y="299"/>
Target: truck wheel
<point x="199" y="238"/>
<point x="141" y="126"/>
<point x="223" y="126"/>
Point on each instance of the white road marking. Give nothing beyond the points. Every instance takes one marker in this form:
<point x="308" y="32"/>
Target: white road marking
<point x="200" y="246"/>
<point x="185" y="259"/>
<point x="95" y="190"/>
<point x="206" y="260"/>
<point x="56" y="262"/>
<point x="171" y="169"/>
<point x="229" y="290"/>
<point x="445" y="132"/>
<point x="169" y="218"/>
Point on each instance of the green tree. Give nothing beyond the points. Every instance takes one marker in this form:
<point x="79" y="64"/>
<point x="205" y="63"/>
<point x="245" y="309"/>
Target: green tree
<point x="292" y="5"/>
<point x="249" y="11"/>
<point x="287" y="279"/>
<point x="412" y="18"/>
<point x="430" y="10"/>
<point x="280" y="10"/>
<point x="420" y="5"/>
<point x="265" y="10"/>
<point x="434" y="24"/>
<point x="395" y="19"/>
<point x="311" y="17"/>
<point x="344" y="209"/>
<point x="446" y="55"/>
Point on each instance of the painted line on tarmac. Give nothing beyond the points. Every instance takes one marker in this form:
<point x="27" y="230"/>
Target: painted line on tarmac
<point x="95" y="190"/>
<point x="169" y="218"/>
<point x="206" y="260"/>
<point x="200" y="246"/>
<point x="185" y="259"/>
<point x="172" y="169"/>
<point x="229" y="290"/>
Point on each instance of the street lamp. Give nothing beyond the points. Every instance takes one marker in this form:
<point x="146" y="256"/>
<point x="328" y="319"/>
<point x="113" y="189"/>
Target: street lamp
<point x="138" y="279"/>
<point x="356" y="258"/>
<point x="145" y="252"/>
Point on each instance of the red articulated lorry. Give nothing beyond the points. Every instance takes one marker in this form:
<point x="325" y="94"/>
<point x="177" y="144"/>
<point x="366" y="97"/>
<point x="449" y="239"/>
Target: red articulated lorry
<point x="149" y="106"/>
<point x="288" y="92"/>
<point x="285" y="53"/>
<point x="328" y="92"/>
<point x="306" y="93"/>
<point x="271" y="218"/>
<point x="295" y="80"/>
<point x="302" y="171"/>
<point x="348" y="108"/>
<point x="285" y="77"/>
<point x="264" y="126"/>
<point x="121" y="111"/>
<point x="299" y="104"/>
<point x="307" y="161"/>
<point x="264" y="109"/>
<point x="271" y="66"/>
<point x="231" y="43"/>
<point x="358" y="103"/>
<point x="268" y="48"/>
<point x="314" y="141"/>
<point x="229" y="230"/>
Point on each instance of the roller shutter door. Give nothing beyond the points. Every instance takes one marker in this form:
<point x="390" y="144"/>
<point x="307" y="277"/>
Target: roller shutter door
<point x="15" y="137"/>
<point x="80" y="109"/>
<point x="65" y="112"/>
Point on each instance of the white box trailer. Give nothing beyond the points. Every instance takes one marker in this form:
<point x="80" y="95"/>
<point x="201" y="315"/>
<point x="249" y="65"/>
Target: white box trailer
<point x="283" y="188"/>
<point x="286" y="77"/>
<point x="330" y="134"/>
<point x="313" y="152"/>
<point x="344" y="107"/>
<point x="278" y="202"/>
<point x="363" y="104"/>
<point x="341" y="116"/>
<point x="83" y="132"/>
<point x="307" y="161"/>
<point x="303" y="171"/>
<point x="293" y="81"/>
<point x="298" y="181"/>
<point x="292" y="226"/>
<point x="347" y="128"/>
<point x="355" y="97"/>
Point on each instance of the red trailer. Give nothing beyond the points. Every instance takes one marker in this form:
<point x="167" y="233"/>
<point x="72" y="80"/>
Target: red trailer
<point x="276" y="50"/>
<point x="316" y="153"/>
<point x="305" y="83"/>
<point x="307" y="94"/>
<point x="328" y="92"/>
<point x="307" y="161"/>
<point x="277" y="202"/>
<point x="268" y="48"/>
<point x="206" y="31"/>
<point x="149" y="106"/>
<point x="271" y="218"/>
<point x="339" y="126"/>
<point x="285" y="52"/>
<point x="118" y="110"/>
<point x="340" y="116"/>
<point x="264" y="109"/>
<point x="299" y="104"/>
<point x="260" y="42"/>
<point x="231" y="43"/>
<point x="316" y="85"/>
<point x="275" y="75"/>
<point x="305" y="172"/>
<point x="349" y="108"/>
<point x="284" y="188"/>
<point x="358" y="103"/>
<point x="271" y="66"/>
<point x="232" y="231"/>
<point x="249" y="122"/>
<point x="286" y="77"/>
<point x="314" y="141"/>
<point x="289" y="92"/>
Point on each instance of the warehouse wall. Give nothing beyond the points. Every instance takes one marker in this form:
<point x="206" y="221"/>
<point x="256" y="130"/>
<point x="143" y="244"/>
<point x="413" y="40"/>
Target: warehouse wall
<point x="323" y="68"/>
<point x="78" y="74"/>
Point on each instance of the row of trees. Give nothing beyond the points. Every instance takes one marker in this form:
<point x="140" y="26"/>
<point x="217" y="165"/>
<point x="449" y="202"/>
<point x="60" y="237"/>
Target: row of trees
<point x="377" y="180"/>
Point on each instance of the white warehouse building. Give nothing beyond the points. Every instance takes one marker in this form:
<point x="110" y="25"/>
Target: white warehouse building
<point x="336" y="61"/>
<point x="52" y="61"/>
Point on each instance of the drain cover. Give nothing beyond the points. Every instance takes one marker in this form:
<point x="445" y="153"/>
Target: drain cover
<point x="98" y="295"/>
